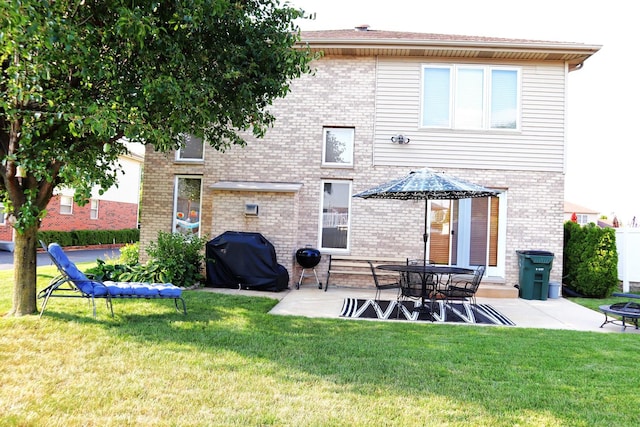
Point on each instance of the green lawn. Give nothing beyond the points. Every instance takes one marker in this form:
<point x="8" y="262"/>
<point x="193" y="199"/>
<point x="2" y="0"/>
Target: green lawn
<point x="229" y="363"/>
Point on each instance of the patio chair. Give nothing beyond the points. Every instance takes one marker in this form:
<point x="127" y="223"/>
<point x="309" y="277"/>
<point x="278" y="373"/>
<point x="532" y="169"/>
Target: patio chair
<point x="382" y="286"/>
<point x="72" y="283"/>
<point x="464" y="289"/>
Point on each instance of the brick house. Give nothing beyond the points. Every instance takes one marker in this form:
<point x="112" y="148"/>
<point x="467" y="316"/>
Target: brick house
<point x="116" y="209"/>
<point x="492" y="111"/>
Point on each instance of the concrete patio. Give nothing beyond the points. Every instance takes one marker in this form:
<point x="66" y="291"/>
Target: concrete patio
<point x="558" y="313"/>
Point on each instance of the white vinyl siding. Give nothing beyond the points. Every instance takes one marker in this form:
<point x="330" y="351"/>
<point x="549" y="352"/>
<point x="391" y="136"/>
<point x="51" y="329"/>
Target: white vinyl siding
<point x="538" y="145"/>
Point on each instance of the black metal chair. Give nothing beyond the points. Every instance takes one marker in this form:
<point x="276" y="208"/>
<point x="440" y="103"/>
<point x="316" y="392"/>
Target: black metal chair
<point x="382" y="286"/>
<point x="413" y="281"/>
<point x="464" y="289"/>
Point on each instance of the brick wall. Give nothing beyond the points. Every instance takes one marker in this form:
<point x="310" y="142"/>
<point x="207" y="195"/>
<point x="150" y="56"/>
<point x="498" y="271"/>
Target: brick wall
<point x="6" y="232"/>
<point x="111" y="216"/>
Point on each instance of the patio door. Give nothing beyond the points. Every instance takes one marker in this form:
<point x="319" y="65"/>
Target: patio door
<point x="467" y="233"/>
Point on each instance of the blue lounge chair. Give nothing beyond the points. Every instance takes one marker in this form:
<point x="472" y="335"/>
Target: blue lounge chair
<point x="72" y="283"/>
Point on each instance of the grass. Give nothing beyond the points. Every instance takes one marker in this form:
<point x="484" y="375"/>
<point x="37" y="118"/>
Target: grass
<point x="230" y="363"/>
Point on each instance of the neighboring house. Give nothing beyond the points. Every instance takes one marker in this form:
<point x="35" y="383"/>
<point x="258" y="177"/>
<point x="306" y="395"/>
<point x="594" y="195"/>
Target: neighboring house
<point x="489" y="110"/>
<point x="116" y="209"/>
<point x="584" y="215"/>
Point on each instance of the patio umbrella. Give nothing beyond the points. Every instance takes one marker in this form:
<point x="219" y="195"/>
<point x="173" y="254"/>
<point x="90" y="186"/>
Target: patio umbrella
<point x="426" y="184"/>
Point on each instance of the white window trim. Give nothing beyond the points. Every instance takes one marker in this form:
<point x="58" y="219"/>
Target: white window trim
<point x="62" y="197"/>
<point x="175" y="200"/>
<point x="486" y="101"/>
<point x="320" y="218"/>
<point x="3" y="215"/>
<point x="189" y="160"/>
<point x="96" y="210"/>
<point x="324" y="147"/>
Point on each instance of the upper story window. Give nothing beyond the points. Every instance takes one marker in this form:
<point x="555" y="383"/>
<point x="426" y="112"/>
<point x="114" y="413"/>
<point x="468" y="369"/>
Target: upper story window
<point x="337" y="147"/>
<point x="470" y="97"/>
<point x="66" y="205"/>
<point x="192" y="149"/>
<point x="94" y="209"/>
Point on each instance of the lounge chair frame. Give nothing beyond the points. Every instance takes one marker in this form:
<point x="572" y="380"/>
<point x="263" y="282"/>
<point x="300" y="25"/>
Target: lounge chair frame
<point x="63" y="286"/>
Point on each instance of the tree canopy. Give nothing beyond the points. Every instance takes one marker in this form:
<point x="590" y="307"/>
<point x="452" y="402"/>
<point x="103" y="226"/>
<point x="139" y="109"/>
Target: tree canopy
<point x="78" y="76"/>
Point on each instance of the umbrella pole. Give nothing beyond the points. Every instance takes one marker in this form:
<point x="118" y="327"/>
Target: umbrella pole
<point x="425" y="236"/>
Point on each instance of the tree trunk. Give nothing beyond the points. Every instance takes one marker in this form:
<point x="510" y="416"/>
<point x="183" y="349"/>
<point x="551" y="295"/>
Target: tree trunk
<point x="24" y="273"/>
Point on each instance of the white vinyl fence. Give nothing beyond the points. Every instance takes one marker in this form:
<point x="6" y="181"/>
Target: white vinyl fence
<point x="628" y="244"/>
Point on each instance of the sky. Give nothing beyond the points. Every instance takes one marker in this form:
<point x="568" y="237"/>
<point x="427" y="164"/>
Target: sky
<point x="603" y="154"/>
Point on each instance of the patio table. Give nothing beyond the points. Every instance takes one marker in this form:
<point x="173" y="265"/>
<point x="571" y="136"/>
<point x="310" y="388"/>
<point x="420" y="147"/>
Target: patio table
<point x="439" y="271"/>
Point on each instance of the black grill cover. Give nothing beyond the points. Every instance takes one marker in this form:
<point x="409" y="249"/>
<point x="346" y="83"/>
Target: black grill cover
<point x="247" y="260"/>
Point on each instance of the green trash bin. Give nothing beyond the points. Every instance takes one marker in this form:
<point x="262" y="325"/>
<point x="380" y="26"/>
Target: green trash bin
<point x="535" y="267"/>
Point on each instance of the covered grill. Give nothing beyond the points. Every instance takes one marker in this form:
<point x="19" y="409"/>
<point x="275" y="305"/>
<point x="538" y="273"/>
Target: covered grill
<point x="308" y="258"/>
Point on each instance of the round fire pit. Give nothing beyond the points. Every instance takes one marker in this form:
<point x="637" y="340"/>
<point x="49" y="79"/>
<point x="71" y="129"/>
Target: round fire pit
<point x="308" y="258"/>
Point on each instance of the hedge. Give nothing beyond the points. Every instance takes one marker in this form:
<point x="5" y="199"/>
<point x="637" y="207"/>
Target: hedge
<point x="90" y="237"/>
<point x="590" y="264"/>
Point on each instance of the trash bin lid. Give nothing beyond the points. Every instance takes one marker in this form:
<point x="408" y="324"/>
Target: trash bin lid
<point x="537" y="257"/>
<point x="537" y="253"/>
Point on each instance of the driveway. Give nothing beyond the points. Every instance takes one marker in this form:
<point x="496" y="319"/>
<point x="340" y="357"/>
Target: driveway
<point x="83" y="255"/>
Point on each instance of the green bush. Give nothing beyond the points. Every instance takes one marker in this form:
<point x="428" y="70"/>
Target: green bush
<point x="177" y="258"/>
<point x="90" y="237"/>
<point x="590" y="259"/>
<point x="130" y="253"/>
<point x="104" y="271"/>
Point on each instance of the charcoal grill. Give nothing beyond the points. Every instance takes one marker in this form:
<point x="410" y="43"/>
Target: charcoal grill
<point x="308" y="258"/>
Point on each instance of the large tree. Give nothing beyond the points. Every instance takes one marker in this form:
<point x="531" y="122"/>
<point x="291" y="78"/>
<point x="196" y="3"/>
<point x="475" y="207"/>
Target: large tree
<point x="78" y="76"/>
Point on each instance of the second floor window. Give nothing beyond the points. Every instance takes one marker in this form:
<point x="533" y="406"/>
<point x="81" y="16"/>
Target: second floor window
<point x="94" y="209"/>
<point x="66" y="205"/>
<point x="337" y="147"/>
<point x="192" y="149"/>
<point x="470" y="97"/>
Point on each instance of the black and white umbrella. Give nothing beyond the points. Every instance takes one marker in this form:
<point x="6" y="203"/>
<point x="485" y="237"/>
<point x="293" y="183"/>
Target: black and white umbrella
<point x="426" y="184"/>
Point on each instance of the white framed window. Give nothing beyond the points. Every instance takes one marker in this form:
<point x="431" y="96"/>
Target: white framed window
<point x="583" y="219"/>
<point x="335" y="215"/>
<point x="191" y="150"/>
<point x="470" y="97"/>
<point x="66" y="205"/>
<point x="93" y="213"/>
<point x="2" y="214"/>
<point x="187" y="204"/>
<point x="337" y="146"/>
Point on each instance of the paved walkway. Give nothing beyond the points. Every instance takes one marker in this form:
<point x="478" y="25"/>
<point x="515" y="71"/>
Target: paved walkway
<point x="559" y="313"/>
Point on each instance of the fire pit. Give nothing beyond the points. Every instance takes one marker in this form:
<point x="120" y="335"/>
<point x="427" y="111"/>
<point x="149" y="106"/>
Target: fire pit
<point x="308" y="258"/>
<point x="626" y="310"/>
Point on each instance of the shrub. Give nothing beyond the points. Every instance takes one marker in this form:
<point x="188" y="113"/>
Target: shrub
<point x="129" y="254"/>
<point x="89" y="237"/>
<point x="590" y="260"/>
<point x="177" y="258"/>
